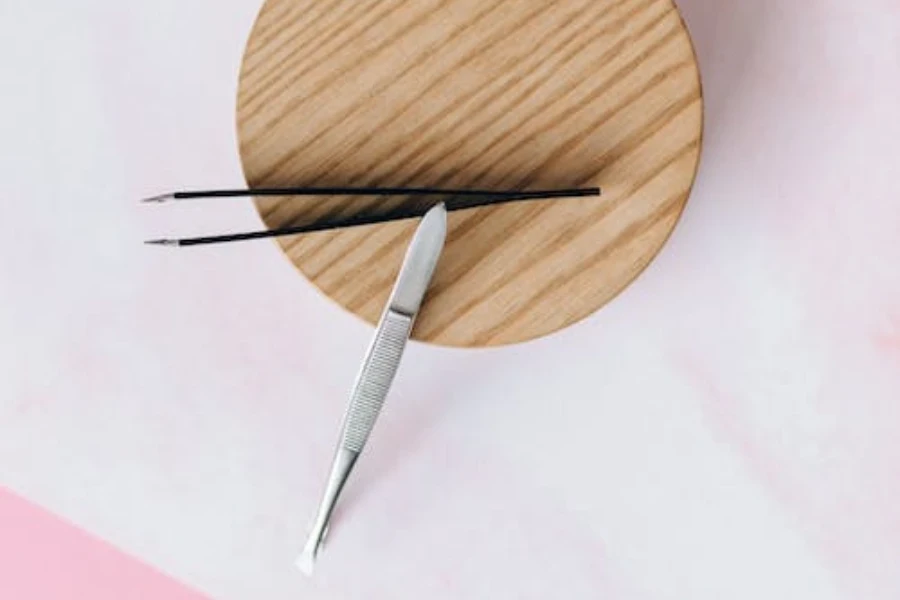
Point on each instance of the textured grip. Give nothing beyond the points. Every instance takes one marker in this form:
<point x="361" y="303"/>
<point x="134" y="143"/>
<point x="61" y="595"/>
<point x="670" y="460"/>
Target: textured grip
<point x="375" y="379"/>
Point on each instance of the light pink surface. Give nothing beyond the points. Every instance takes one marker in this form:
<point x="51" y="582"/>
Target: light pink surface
<point x="727" y="428"/>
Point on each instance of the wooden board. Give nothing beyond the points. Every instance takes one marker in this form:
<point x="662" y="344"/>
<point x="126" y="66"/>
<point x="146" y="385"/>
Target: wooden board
<point x="477" y="93"/>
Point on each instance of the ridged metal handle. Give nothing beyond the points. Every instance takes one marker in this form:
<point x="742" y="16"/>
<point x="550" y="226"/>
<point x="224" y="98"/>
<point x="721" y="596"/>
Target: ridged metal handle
<point x="375" y="379"/>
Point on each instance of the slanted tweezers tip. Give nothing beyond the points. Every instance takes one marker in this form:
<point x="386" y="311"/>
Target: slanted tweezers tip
<point x="306" y="562"/>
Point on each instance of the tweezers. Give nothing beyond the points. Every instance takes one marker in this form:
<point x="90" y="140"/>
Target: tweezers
<point x="459" y="199"/>
<point x="379" y="367"/>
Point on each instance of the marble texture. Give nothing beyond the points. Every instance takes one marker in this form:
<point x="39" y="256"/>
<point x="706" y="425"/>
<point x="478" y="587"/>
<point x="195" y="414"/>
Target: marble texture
<point x="726" y="428"/>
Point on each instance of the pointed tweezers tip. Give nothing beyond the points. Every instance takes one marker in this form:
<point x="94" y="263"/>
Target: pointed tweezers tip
<point x="158" y="199"/>
<point x="162" y="242"/>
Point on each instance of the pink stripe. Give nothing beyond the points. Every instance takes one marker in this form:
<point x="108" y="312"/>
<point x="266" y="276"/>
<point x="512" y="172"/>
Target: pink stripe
<point x="45" y="558"/>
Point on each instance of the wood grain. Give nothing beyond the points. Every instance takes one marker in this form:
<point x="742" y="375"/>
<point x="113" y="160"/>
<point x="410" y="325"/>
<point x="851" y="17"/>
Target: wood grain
<point x="476" y="93"/>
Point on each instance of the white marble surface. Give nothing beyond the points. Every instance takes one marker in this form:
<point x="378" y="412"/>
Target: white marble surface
<point x="726" y="428"/>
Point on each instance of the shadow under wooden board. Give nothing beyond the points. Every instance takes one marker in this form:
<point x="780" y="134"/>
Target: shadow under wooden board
<point x="472" y="93"/>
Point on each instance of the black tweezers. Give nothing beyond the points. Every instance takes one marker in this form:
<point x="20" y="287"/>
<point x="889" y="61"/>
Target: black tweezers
<point x="460" y="200"/>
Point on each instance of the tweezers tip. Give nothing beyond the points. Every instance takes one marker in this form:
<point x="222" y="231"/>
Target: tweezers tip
<point x="306" y="562"/>
<point x="162" y="242"/>
<point x="159" y="199"/>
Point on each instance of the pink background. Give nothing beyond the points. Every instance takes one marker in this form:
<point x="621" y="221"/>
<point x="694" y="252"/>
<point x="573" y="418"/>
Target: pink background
<point x="726" y="428"/>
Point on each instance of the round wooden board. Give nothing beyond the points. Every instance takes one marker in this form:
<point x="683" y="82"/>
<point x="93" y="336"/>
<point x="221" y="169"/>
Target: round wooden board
<point x="477" y="93"/>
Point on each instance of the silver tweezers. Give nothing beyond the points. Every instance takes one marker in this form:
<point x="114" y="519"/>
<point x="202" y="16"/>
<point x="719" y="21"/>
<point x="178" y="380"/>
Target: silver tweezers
<point x="379" y="367"/>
